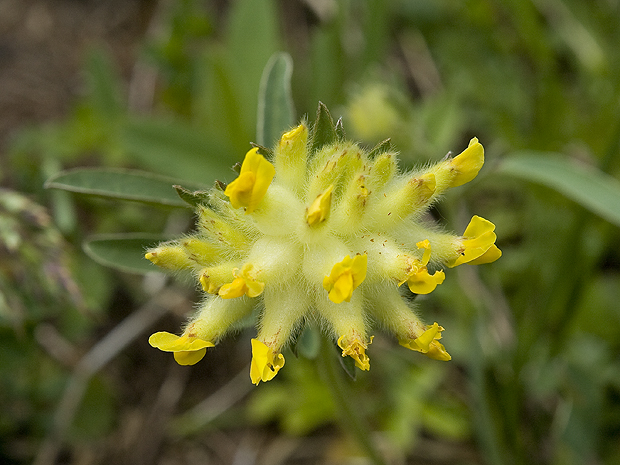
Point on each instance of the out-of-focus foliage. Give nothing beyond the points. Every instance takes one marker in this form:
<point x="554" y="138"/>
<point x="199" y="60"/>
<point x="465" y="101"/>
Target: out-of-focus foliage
<point x="535" y="337"/>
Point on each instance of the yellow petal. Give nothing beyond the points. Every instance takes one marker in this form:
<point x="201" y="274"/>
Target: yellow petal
<point x="252" y="183"/>
<point x="478" y="239"/>
<point x="172" y="343"/>
<point x="427" y="341"/>
<point x="189" y="357"/>
<point x="343" y="288"/>
<point x="265" y="364"/>
<point x="319" y="210"/>
<point x="345" y="277"/>
<point x="244" y="283"/>
<point x="188" y="350"/>
<point x="240" y="190"/>
<point x="254" y="288"/>
<point x="422" y="282"/>
<point x="492" y="254"/>
<point x="468" y="163"/>
<point x="437" y="351"/>
<point x="426" y="245"/>
<point x="236" y="288"/>
<point x="423" y="341"/>
<point x="477" y="227"/>
<point x="357" y="351"/>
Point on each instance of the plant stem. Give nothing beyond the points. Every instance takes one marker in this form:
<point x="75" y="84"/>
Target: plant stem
<point x="345" y="401"/>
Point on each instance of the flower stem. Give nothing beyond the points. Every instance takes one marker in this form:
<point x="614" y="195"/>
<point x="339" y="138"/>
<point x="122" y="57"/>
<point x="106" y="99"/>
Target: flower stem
<point x="344" y="399"/>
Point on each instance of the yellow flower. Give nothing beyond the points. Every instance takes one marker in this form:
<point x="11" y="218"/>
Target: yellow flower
<point x="319" y="210"/>
<point x="272" y="243"/>
<point x="477" y="245"/>
<point x="355" y="349"/>
<point x="253" y="181"/>
<point x="265" y="363"/>
<point x="345" y="277"/>
<point x="419" y="280"/>
<point x="243" y="284"/>
<point x="428" y="343"/>
<point x="188" y="349"/>
<point x="467" y="164"/>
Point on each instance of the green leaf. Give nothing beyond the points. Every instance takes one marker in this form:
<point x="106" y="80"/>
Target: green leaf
<point x="276" y="112"/>
<point x="323" y="131"/>
<point x="124" y="252"/>
<point x="123" y="184"/>
<point x="251" y="38"/>
<point x="193" y="198"/>
<point x="586" y="185"/>
<point x="178" y="149"/>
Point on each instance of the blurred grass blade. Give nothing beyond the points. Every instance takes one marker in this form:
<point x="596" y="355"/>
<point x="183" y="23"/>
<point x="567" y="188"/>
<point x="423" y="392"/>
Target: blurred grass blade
<point x="123" y="184"/>
<point x="178" y="149"/>
<point x="588" y="186"/>
<point x="124" y="252"/>
<point x="276" y="111"/>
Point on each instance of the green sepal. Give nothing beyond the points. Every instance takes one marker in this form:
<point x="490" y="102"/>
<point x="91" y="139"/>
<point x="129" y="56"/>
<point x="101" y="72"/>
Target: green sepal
<point x="381" y="148"/>
<point x="264" y="151"/>
<point x="340" y="134"/>
<point x="323" y="131"/>
<point x="193" y="198"/>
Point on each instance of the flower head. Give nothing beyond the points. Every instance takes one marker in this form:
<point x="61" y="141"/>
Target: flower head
<point x="321" y="229"/>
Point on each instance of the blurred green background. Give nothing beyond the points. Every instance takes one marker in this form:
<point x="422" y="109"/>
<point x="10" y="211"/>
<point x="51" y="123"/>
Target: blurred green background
<point x="171" y="87"/>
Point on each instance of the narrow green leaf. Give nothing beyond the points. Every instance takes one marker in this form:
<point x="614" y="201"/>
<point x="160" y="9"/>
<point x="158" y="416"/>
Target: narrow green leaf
<point x="178" y="149"/>
<point x="586" y="185"/>
<point x="251" y="38"/>
<point x="323" y="131"/>
<point x="124" y="252"/>
<point x="123" y="184"/>
<point x="275" y="102"/>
